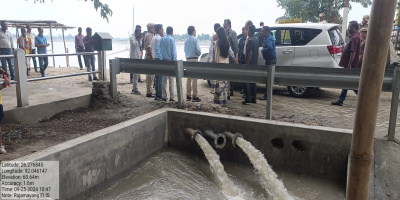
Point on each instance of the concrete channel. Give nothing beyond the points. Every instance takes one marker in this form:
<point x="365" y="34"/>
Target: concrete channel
<point x="90" y="162"/>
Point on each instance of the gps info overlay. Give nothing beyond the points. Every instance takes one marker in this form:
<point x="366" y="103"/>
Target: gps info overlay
<point x="29" y="180"/>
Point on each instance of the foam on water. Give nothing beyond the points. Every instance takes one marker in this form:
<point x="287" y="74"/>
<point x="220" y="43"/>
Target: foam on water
<point x="176" y="174"/>
<point x="269" y="179"/>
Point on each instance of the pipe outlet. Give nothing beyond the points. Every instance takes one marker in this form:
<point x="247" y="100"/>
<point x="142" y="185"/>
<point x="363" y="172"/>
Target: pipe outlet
<point x="232" y="137"/>
<point x="218" y="139"/>
<point x="189" y="132"/>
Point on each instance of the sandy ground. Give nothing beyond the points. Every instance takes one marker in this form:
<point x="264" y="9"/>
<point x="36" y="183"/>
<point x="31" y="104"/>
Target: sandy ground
<point x="22" y="139"/>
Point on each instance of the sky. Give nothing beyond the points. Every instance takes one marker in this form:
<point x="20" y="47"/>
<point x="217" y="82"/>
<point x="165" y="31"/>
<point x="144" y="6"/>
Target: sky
<point x="179" y="14"/>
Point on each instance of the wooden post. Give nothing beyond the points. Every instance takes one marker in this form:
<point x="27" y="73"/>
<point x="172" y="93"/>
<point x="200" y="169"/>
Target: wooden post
<point x="395" y="103"/>
<point x="21" y="78"/>
<point x="17" y="32"/>
<point x="67" y="57"/>
<point x="371" y="80"/>
<point x="65" y="49"/>
<point x="270" y="83"/>
<point x="52" y="46"/>
<point x="179" y="75"/>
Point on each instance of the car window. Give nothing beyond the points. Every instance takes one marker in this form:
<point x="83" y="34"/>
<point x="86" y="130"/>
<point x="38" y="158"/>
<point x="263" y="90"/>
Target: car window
<point x="335" y="36"/>
<point x="304" y="36"/>
<point x="282" y="37"/>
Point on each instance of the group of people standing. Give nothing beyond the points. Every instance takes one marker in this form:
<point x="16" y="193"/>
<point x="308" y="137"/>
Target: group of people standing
<point x="29" y="42"/>
<point x="157" y="47"/>
<point x="224" y="48"/>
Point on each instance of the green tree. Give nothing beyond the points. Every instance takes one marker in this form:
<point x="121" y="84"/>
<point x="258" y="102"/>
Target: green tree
<point x="308" y="10"/>
<point x="105" y="10"/>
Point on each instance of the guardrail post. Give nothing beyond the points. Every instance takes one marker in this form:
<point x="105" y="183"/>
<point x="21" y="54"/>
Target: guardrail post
<point x="270" y="83"/>
<point x="395" y="103"/>
<point x="114" y="70"/>
<point x="179" y="75"/>
<point x="21" y="78"/>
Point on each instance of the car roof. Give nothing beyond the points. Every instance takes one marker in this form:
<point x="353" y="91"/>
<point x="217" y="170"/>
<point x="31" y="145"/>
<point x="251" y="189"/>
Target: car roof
<point x="326" y="26"/>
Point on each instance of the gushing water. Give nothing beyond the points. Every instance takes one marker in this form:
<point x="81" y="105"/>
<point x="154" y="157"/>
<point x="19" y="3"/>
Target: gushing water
<point x="269" y="179"/>
<point x="220" y="176"/>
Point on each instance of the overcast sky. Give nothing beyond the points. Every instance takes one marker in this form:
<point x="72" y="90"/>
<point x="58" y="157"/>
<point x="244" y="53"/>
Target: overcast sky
<point x="178" y="14"/>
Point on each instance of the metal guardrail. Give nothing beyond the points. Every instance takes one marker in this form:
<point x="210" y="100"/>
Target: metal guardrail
<point x="289" y="76"/>
<point x="6" y="56"/>
<point x="325" y="77"/>
<point x="63" y="54"/>
<point x="21" y="80"/>
<point x="61" y="76"/>
<point x="53" y="55"/>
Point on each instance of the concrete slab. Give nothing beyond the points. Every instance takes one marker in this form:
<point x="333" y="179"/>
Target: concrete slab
<point x="387" y="170"/>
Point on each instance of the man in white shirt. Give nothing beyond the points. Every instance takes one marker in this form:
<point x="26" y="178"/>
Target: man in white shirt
<point x="322" y="18"/>
<point x="32" y="35"/>
<point x="159" y="32"/>
<point x="135" y="53"/>
<point x="6" y="48"/>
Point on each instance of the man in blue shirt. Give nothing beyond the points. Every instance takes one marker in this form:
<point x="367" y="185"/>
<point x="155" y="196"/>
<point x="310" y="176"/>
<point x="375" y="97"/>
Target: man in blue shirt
<point x="166" y="50"/>
<point x="192" y="53"/>
<point x="268" y="51"/>
<point x="41" y="44"/>
<point x="159" y="33"/>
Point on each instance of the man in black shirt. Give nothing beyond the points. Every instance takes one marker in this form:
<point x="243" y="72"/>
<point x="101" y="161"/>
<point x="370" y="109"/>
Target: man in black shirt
<point x="242" y="56"/>
<point x="251" y="59"/>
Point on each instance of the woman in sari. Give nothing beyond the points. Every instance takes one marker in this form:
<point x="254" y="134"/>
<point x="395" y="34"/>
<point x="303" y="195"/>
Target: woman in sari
<point x="221" y="55"/>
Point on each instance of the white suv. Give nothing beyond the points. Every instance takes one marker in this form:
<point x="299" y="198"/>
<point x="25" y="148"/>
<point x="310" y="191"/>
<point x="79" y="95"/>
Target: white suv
<point x="303" y="44"/>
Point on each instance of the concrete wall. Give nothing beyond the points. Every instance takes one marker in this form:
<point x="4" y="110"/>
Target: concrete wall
<point x="91" y="162"/>
<point x="101" y="157"/>
<point x="35" y="113"/>
<point x="325" y="152"/>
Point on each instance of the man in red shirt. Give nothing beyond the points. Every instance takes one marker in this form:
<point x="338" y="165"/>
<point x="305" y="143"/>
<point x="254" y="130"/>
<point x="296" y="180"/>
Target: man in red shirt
<point x="350" y="57"/>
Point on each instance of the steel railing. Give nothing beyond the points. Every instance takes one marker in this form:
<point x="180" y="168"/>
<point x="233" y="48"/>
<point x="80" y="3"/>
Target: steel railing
<point x="289" y="76"/>
<point x="21" y="78"/>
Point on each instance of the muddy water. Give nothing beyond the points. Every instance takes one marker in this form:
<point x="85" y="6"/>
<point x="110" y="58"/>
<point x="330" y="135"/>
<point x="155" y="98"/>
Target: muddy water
<point x="172" y="174"/>
<point x="220" y="176"/>
<point x="269" y="179"/>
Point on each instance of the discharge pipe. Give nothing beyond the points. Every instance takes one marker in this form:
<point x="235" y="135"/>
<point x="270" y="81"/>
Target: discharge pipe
<point x="189" y="132"/>
<point x="218" y="139"/>
<point x="232" y="137"/>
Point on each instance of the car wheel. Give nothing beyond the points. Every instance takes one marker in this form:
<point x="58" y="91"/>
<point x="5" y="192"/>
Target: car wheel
<point x="300" y="91"/>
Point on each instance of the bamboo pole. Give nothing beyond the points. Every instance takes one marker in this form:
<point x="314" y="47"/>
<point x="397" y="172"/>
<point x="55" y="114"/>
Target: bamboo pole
<point x="52" y="45"/>
<point x="371" y="80"/>
<point x="65" y="48"/>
